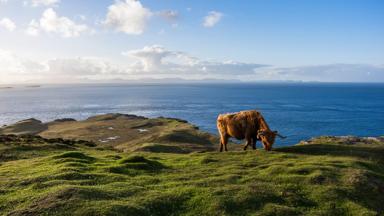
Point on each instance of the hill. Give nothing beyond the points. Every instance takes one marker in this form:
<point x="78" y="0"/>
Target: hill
<point x="61" y="177"/>
<point x="166" y="166"/>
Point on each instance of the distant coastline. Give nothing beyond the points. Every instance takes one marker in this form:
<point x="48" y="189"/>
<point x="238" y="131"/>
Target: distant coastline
<point x="6" y="87"/>
<point x="33" y="86"/>
<point x="181" y="81"/>
<point x="20" y="86"/>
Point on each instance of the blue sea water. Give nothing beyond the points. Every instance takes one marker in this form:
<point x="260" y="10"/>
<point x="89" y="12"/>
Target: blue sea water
<point x="297" y="110"/>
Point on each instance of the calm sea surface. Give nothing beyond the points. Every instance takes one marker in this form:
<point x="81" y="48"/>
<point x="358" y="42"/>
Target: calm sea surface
<point x="299" y="111"/>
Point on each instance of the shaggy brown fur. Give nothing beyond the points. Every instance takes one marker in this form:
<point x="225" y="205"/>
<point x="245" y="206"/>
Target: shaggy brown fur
<point x="249" y="125"/>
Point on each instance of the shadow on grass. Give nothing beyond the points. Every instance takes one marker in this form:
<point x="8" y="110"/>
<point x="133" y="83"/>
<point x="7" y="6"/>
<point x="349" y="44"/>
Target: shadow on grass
<point x="135" y="165"/>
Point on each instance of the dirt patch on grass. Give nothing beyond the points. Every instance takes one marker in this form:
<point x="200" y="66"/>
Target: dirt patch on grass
<point x="160" y="148"/>
<point x="184" y="136"/>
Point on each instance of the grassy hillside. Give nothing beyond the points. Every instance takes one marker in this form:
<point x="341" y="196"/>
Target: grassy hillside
<point x="326" y="176"/>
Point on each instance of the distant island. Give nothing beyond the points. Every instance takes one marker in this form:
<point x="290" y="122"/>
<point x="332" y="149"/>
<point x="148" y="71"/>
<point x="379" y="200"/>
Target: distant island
<point x="33" y="86"/>
<point x="6" y="87"/>
<point x="20" y="86"/>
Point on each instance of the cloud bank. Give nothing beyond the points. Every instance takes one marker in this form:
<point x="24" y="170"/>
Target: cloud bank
<point x="326" y="73"/>
<point x="18" y="69"/>
<point x="157" y="59"/>
<point x="158" y="62"/>
<point x="149" y="62"/>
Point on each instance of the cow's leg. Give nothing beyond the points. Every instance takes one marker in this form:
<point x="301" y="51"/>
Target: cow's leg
<point x="225" y="142"/>
<point x="247" y="143"/>
<point x="254" y="140"/>
<point x="222" y="143"/>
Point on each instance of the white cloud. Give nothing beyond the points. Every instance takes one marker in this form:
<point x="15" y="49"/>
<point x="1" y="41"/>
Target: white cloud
<point x="169" y="15"/>
<point x="50" y="22"/>
<point x="212" y="19"/>
<point x="7" y="24"/>
<point x="129" y="17"/>
<point x="151" y="57"/>
<point x="36" y="3"/>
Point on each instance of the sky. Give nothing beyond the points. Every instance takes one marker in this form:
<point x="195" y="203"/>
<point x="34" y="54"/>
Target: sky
<point x="72" y="41"/>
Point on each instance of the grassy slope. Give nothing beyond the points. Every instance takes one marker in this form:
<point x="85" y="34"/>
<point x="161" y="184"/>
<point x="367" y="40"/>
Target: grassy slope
<point x="126" y="133"/>
<point x="321" y="178"/>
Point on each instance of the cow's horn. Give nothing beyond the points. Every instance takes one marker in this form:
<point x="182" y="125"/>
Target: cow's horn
<point x="281" y="136"/>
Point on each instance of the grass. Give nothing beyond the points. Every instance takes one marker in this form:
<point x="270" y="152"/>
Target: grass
<point x="322" y="178"/>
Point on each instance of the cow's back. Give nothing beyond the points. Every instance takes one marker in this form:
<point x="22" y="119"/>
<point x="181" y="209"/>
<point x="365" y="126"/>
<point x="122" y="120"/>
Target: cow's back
<point x="239" y="124"/>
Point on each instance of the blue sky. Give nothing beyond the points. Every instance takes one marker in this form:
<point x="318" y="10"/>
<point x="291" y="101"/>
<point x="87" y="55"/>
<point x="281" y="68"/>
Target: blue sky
<point x="246" y="40"/>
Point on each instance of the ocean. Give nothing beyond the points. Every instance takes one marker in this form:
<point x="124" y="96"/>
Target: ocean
<point x="297" y="110"/>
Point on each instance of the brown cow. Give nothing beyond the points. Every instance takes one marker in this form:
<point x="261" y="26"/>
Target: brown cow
<point x="249" y="125"/>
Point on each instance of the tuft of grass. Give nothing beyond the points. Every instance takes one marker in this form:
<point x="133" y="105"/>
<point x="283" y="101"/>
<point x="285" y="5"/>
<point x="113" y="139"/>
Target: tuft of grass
<point x="73" y="154"/>
<point x="207" y="159"/>
<point x="134" y="159"/>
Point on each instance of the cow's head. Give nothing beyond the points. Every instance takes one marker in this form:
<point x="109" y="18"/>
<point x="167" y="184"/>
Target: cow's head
<point x="268" y="137"/>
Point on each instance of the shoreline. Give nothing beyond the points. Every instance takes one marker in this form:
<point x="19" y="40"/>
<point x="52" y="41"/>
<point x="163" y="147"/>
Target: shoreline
<point x="34" y="126"/>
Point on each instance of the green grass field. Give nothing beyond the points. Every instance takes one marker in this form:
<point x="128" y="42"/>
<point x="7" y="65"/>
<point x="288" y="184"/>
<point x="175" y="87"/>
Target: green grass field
<point x="40" y="177"/>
